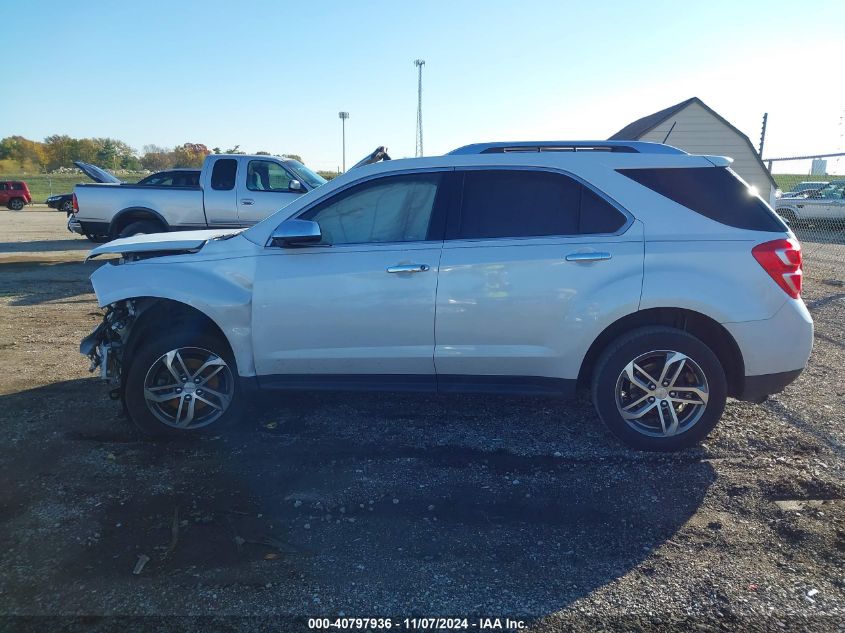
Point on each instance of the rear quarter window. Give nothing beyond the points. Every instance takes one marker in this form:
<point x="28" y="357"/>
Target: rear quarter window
<point x="714" y="192"/>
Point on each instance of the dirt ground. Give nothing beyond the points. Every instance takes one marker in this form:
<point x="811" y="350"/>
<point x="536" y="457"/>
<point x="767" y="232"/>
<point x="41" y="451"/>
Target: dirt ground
<point x="397" y="505"/>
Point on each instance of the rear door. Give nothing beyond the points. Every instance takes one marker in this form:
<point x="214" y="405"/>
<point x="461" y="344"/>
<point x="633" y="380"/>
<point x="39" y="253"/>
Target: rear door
<point x="263" y="189"/>
<point x="534" y="265"/>
<point x="219" y="192"/>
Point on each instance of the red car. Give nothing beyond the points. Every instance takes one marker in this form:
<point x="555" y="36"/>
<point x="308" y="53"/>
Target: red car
<point x="14" y="194"/>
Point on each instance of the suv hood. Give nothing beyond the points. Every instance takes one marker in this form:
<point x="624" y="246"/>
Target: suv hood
<point x="96" y="174"/>
<point x="160" y="243"/>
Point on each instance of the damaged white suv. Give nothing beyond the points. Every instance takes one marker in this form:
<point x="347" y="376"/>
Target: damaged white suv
<point x="653" y="277"/>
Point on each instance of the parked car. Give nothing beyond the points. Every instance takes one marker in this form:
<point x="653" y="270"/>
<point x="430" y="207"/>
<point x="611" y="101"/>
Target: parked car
<point x="181" y="177"/>
<point x="826" y="205"/>
<point x="232" y="191"/>
<point x="652" y="277"/>
<point x="61" y="202"/>
<point x="14" y="194"/>
<point x="803" y="189"/>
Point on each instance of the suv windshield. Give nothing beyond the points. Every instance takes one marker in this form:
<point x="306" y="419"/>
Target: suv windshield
<point x="304" y="174"/>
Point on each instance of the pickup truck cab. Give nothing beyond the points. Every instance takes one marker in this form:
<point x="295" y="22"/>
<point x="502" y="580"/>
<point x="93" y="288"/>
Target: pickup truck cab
<point x="234" y="191"/>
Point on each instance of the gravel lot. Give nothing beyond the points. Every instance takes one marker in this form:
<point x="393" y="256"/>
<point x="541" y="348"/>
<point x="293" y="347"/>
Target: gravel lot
<point x="363" y="505"/>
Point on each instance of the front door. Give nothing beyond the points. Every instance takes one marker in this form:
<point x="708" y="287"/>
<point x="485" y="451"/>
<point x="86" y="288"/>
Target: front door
<point x="264" y="190"/>
<point x="358" y="309"/>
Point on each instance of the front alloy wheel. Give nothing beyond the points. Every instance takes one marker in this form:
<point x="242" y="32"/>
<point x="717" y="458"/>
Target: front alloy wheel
<point x="181" y="382"/>
<point x="188" y="388"/>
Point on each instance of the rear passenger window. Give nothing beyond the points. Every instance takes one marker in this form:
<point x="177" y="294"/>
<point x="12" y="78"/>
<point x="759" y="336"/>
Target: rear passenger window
<point x="714" y="192"/>
<point x="502" y="203"/>
<point x="223" y="174"/>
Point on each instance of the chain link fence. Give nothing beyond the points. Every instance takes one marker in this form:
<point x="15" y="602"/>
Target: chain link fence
<point x="812" y="201"/>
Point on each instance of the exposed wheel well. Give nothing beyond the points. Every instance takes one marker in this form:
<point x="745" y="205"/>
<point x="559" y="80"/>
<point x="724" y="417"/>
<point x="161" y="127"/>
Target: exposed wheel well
<point x="710" y="332"/>
<point x="156" y="313"/>
<point x="128" y="216"/>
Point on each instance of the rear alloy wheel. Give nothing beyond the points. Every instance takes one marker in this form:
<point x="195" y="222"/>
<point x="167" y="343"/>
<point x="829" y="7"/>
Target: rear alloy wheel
<point x="659" y="389"/>
<point x="16" y="204"/>
<point x="67" y="206"/>
<point x="182" y="383"/>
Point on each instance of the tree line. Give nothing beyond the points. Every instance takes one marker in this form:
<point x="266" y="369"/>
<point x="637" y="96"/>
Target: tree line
<point x="60" y="150"/>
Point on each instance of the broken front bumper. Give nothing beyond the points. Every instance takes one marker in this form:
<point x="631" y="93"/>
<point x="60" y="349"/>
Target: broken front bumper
<point x="104" y="346"/>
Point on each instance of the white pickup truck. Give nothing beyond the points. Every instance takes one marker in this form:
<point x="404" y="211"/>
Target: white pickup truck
<point x="234" y="190"/>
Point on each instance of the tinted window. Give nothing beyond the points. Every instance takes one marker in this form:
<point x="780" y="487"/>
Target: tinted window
<point x="18" y="186"/>
<point x="714" y="192"/>
<point x="2" y="186"/>
<point x="223" y="174"/>
<point x="265" y="175"/>
<point x="391" y="209"/>
<point x="157" y="179"/>
<point x="501" y="203"/>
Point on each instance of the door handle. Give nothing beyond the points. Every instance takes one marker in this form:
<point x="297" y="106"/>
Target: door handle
<point x="408" y="268"/>
<point x="588" y="257"/>
<point x="247" y="201"/>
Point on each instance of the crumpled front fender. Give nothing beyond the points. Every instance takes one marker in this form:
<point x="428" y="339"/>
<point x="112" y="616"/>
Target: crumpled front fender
<point x="220" y="289"/>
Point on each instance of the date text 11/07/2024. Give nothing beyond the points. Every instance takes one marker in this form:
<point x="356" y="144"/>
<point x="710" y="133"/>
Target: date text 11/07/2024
<point x="417" y="624"/>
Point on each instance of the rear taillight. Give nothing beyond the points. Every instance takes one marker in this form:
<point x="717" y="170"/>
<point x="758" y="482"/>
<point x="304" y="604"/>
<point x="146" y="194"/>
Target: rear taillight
<point x="782" y="260"/>
<point x="75" y="204"/>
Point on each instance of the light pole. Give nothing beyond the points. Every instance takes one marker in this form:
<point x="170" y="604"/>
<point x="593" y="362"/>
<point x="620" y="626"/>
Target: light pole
<point x="419" y="63"/>
<point x="343" y="116"/>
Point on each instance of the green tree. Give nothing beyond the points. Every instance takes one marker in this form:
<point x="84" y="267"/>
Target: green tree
<point x="293" y="156"/>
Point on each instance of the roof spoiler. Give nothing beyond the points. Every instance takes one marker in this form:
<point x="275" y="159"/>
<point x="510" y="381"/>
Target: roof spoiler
<point x="630" y="147"/>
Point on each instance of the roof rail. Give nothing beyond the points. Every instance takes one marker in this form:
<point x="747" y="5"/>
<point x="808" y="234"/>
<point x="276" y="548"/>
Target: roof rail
<point x="631" y="147"/>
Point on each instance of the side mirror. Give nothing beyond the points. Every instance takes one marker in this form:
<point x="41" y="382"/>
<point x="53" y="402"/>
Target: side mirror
<point x="296" y="186"/>
<point x="296" y="233"/>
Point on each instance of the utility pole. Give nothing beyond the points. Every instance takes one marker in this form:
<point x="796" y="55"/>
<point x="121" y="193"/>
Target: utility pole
<point x="419" y="63"/>
<point x="763" y="134"/>
<point x="343" y="116"/>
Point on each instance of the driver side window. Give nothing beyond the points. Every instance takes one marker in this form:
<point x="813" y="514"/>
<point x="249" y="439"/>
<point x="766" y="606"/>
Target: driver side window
<point x="266" y="175"/>
<point x="390" y="209"/>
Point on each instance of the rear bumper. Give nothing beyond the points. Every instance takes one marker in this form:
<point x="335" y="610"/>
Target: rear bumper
<point x="74" y="225"/>
<point x="757" y="388"/>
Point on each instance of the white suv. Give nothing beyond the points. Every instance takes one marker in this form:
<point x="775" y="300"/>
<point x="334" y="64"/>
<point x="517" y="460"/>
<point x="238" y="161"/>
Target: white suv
<point x="653" y="277"/>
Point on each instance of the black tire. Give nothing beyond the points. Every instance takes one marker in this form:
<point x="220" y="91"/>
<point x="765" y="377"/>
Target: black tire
<point x="67" y="206"/>
<point x="16" y="204"/>
<point x="141" y="227"/>
<point x="147" y="358"/>
<point x="642" y="341"/>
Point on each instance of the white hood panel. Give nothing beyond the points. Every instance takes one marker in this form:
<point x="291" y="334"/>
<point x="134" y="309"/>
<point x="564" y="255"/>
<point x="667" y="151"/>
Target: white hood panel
<point x="175" y="241"/>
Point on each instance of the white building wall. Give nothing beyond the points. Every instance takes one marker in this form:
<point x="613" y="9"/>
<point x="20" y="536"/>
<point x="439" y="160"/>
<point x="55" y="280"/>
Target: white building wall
<point x="698" y="132"/>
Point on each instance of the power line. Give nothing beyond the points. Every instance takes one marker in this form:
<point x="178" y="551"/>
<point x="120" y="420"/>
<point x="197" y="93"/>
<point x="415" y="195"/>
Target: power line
<point x="419" y="63"/>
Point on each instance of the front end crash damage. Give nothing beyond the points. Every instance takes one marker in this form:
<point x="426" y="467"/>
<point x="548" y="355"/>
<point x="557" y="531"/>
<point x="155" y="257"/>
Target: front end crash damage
<point x="105" y="345"/>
